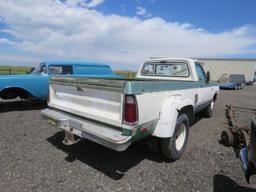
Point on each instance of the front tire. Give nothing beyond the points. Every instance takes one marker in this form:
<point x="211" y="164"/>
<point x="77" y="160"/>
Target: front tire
<point x="174" y="147"/>
<point x="209" y="110"/>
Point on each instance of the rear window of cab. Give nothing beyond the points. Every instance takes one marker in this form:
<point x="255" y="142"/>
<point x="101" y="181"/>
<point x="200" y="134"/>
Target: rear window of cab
<point x="174" y="69"/>
<point x="61" y="69"/>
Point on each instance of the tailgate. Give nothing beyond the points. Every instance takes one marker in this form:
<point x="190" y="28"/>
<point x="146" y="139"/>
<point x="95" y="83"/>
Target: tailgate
<point x="97" y="99"/>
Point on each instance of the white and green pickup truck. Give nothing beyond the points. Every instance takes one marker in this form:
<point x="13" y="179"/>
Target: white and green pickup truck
<point x="160" y="103"/>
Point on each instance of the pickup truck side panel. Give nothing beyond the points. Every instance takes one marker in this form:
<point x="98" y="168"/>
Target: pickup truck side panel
<point x="165" y="110"/>
<point x="168" y="114"/>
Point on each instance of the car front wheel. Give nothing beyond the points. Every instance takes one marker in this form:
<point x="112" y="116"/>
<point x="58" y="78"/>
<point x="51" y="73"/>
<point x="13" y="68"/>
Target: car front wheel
<point x="209" y="110"/>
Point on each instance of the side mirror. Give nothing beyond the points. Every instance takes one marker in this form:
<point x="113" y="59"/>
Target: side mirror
<point x="208" y="76"/>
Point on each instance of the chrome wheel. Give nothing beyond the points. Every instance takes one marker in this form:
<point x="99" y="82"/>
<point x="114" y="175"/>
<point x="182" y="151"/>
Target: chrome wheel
<point x="180" y="137"/>
<point x="212" y="105"/>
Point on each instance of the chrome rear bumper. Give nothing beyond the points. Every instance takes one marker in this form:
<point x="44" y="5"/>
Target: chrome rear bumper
<point x="101" y="134"/>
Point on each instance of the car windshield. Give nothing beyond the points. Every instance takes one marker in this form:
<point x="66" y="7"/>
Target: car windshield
<point x="41" y="68"/>
<point x="35" y="70"/>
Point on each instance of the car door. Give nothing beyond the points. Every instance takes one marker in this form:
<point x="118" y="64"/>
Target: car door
<point x="204" y="91"/>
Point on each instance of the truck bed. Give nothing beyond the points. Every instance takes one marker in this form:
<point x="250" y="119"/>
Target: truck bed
<point x="101" y="99"/>
<point x="129" y="85"/>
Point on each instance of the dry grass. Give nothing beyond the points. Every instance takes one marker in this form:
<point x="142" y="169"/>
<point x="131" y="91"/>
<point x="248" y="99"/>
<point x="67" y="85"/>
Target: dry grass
<point x="13" y="70"/>
<point x="129" y="74"/>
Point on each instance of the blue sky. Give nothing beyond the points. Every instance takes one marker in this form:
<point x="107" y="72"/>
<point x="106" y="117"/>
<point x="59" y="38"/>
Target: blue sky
<point x="125" y="32"/>
<point x="212" y="15"/>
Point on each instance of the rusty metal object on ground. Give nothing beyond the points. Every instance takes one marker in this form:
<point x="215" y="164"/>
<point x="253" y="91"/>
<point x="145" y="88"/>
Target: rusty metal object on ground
<point x="227" y="138"/>
<point x="242" y="138"/>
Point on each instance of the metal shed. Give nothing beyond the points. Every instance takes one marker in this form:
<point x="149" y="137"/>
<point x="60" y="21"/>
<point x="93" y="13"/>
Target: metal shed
<point x="220" y="66"/>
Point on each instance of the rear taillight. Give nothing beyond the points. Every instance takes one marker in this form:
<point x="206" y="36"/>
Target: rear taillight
<point x="130" y="110"/>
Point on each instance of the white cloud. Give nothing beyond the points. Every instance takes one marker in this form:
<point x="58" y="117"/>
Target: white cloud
<point x="94" y="3"/>
<point x="141" y="11"/>
<point x="53" y="30"/>
<point x="6" y="41"/>
<point x="84" y="3"/>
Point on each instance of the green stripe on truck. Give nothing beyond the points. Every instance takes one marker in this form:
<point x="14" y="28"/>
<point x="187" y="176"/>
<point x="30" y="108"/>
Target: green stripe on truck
<point x="140" y="131"/>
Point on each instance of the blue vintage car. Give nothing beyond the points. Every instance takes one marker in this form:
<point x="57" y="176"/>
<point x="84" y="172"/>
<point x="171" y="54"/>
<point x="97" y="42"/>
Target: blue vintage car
<point x="35" y="84"/>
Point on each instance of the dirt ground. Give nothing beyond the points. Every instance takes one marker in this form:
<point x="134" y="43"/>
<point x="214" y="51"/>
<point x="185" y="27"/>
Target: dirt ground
<point x="33" y="158"/>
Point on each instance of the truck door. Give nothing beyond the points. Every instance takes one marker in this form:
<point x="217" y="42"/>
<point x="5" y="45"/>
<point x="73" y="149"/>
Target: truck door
<point x="204" y="92"/>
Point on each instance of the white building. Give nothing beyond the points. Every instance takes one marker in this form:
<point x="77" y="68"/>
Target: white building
<point x="220" y="66"/>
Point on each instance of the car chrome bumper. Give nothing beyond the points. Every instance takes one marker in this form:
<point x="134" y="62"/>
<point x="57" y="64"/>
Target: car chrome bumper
<point x="101" y="134"/>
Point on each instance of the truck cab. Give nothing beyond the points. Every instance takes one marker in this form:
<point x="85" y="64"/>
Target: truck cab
<point x="179" y="69"/>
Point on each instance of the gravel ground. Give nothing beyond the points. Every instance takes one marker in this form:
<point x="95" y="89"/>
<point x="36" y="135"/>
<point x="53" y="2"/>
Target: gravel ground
<point x="32" y="157"/>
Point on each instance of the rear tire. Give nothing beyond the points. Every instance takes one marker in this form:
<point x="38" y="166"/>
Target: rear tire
<point x="174" y="147"/>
